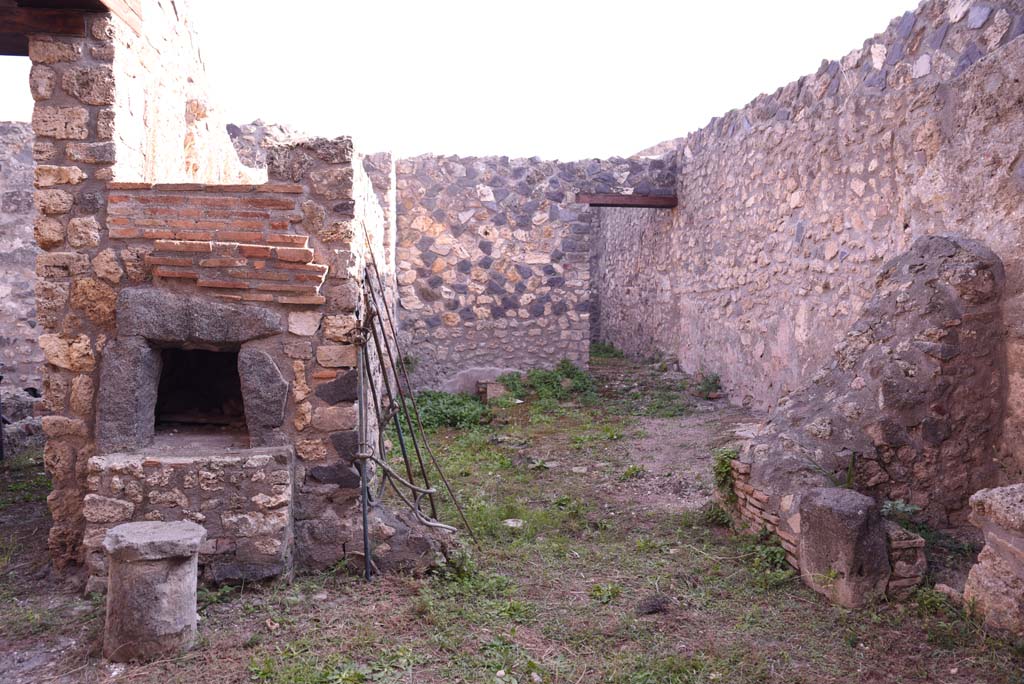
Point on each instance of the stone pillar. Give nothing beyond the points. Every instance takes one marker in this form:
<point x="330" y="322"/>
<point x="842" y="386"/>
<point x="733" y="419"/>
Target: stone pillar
<point x="843" y="550"/>
<point x="995" y="586"/>
<point x="151" y="590"/>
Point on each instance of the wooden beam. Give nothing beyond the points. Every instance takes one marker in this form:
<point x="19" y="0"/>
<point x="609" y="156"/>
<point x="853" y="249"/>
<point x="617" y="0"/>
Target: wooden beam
<point x="81" y="5"/>
<point x="617" y="200"/>
<point x="128" y="11"/>
<point x="23" y="20"/>
<point x="14" y="44"/>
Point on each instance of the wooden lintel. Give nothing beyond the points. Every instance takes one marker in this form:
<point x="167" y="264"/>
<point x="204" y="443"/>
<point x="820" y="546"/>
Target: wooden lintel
<point x="80" y="5"/>
<point x="129" y="11"/>
<point x="25" y="20"/>
<point x="617" y="200"/>
<point x="13" y="44"/>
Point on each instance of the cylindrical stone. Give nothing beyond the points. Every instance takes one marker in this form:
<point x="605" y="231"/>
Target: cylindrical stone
<point x="151" y="589"/>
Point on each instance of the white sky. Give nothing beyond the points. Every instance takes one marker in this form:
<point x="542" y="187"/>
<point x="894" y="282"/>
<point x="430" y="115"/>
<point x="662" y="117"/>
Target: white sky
<point x="561" y="79"/>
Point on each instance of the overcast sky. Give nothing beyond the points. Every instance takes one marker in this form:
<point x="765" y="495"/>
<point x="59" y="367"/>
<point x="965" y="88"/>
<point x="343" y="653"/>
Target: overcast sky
<point x="555" y="78"/>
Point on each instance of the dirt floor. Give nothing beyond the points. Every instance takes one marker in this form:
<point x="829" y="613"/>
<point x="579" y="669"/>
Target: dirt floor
<point x="618" y="568"/>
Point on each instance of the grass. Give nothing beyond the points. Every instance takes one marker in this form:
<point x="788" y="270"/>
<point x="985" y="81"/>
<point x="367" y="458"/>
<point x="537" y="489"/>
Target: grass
<point x="721" y="469"/>
<point x="603" y="350"/>
<point x="667" y="404"/>
<point x="557" y="599"/>
<point x="564" y="382"/>
<point x="23" y="479"/>
<point x="707" y="384"/>
<point x="442" y="409"/>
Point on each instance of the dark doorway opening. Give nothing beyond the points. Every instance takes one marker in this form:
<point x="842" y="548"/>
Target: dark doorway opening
<point x="199" y="390"/>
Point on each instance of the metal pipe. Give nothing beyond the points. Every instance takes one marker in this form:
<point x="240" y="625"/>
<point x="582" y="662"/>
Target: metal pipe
<point x="364" y="492"/>
<point x="1" y="422"/>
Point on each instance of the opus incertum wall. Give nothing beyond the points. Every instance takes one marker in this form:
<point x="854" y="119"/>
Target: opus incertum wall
<point x="20" y="356"/>
<point x="789" y="206"/>
<point x="493" y="260"/>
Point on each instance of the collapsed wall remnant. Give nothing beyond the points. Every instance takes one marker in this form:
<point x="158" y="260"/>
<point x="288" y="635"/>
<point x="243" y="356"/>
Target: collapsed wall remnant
<point x="910" y="407"/>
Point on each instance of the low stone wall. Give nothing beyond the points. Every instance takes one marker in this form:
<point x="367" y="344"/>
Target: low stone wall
<point x="757" y="511"/>
<point x="243" y="499"/>
<point x="789" y="205"/>
<point x="494" y="260"/>
<point x="20" y="356"/>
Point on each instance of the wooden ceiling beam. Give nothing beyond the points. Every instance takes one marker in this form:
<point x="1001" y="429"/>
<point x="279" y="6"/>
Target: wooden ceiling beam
<point x="620" y="200"/>
<point x="14" y="44"/>
<point x="128" y="11"/>
<point x="80" y="5"/>
<point x="23" y="20"/>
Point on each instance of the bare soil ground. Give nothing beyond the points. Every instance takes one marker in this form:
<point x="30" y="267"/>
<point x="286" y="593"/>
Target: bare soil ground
<point x="622" y="571"/>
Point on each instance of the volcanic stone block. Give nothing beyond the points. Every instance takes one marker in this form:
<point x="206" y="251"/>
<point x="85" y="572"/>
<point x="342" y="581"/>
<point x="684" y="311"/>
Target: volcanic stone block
<point x="995" y="585"/>
<point x="151" y="590"/>
<point x="345" y="443"/>
<point x="342" y="388"/>
<point x="843" y="550"/>
<point x="169" y="318"/>
<point x="264" y="391"/>
<point x="338" y="473"/>
<point x="129" y="378"/>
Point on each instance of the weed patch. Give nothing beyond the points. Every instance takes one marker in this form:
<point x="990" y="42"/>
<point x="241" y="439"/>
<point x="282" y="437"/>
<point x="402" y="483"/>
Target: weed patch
<point x="708" y="384"/>
<point x="604" y="350"/>
<point x="441" y="409"/>
<point x="722" y="472"/>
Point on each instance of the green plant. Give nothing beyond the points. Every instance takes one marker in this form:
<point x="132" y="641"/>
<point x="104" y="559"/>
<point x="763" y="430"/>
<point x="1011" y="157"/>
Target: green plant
<point x="408" y="363"/>
<point x="667" y="404"/>
<point x="605" y="593"/>
<point x="632" y="472"/>
<point x="604" y="350"/>
<point x="767" y="560"/>
<point x="647" y="545"/>
<point x="899" y="510"/>
<point x="714" y="515"/>
<point x="708" y="384"/>
<point x="441" y="409"/>
<point x="222" y="594"/>
<point x="611" y="432"/>
<point x="513" y="382"/>
<point x="829" y="577"/>
<point x="722" y="471"/>
<point x="933" y="603"/>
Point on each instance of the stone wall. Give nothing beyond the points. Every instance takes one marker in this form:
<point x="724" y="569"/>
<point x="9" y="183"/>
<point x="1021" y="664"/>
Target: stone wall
<point x="272" y="271"/>
<point x="494" y="260"/>
<point x="788" y="206"/>
<point x="168" y="130"/>
<point x="242" y="498"/>
<point x="20" y="356"/>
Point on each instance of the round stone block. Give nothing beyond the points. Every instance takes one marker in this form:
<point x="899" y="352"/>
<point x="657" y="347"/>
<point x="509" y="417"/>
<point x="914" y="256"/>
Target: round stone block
<point x="151" y="589"/>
